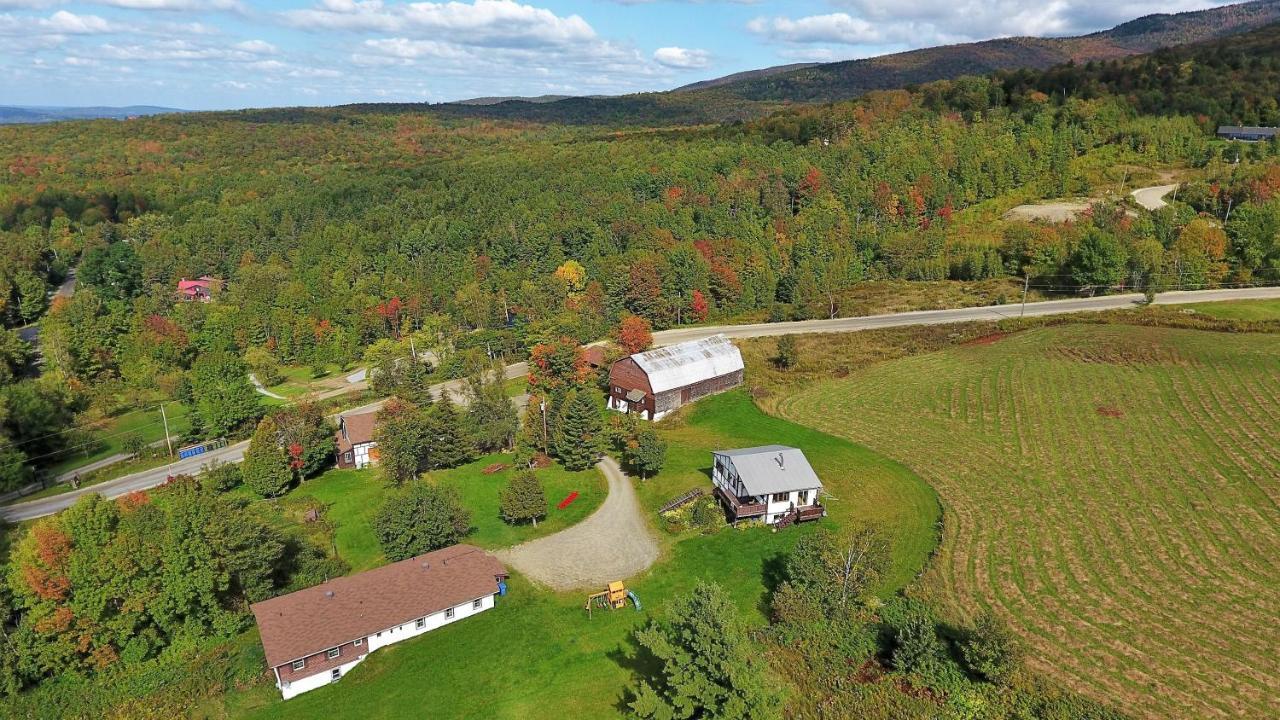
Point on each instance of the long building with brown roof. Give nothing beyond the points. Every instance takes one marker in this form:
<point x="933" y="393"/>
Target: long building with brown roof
<point x="315" y="636"/>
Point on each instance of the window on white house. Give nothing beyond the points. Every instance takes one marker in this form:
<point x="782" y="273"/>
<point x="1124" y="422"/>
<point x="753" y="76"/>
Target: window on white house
<point x="802" y="497"/>
<point x="299" y="664"/>
<point x="333" y="653"/>
<point x="421" y="623"/>
<point x="335" y="674"/>
<point x="477" y="604"/>
<point x="358" y="642"/>
<point x="779" y="497"/>
<point x="448" y="613"/>
<point x="348" y="458"/>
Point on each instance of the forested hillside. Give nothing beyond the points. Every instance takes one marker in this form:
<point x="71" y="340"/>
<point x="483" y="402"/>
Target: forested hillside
<point x="1230" y="81"/>
<point x="755" y="93"/>
<point x="843" y="80"/>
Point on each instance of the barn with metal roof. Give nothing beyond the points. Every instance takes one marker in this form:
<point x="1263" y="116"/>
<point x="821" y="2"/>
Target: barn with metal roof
<point x="656" y="382"/>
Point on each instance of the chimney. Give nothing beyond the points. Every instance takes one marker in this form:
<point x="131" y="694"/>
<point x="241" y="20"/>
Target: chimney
<point x="781" y="464"/>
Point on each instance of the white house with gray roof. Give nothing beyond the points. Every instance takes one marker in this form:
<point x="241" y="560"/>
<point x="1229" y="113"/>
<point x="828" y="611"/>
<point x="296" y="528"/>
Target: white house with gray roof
<point x="773" y="483"/>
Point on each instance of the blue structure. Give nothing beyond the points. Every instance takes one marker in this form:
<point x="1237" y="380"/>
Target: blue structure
<point x="634" y="600"/>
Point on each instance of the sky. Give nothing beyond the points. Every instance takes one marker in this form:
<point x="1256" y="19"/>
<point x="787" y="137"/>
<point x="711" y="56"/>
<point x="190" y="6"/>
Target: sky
<point x="218" y="54"/>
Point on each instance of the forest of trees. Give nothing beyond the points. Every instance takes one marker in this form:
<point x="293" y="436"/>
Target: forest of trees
<point x="343" y="234"/>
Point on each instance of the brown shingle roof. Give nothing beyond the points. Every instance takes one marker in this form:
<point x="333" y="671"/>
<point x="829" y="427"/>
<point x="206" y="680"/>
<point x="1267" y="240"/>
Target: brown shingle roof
<point x="359" y="430"/>
<point x="299" y="624"/>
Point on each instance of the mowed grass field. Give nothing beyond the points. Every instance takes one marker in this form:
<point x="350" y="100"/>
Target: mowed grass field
<point x="1112" y="491"/>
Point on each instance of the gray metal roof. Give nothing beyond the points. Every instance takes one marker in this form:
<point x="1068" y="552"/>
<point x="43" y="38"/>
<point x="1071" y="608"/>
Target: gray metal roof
<point x="772" y="469"/>
<point x="1246" y="130"/>
<point x="689" y="362"/>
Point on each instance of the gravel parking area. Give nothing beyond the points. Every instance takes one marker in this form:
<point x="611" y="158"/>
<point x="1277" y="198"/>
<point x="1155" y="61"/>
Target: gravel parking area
<point x="614" y="543"/>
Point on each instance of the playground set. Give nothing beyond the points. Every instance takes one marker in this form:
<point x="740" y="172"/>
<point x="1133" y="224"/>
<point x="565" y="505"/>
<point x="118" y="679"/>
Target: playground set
<point x="613" y="597"/>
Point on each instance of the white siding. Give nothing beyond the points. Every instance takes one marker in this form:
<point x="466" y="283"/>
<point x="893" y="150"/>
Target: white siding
<point x="290" y="690"/>
<point x="386" y="637"/>
<point x="361" y="452"/>
<point x="777" y="509"/>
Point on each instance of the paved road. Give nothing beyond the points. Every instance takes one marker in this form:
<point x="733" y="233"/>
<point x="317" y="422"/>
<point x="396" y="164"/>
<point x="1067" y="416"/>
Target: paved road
<point x="941" y="317"/>
<point x="233" y="453"/>
<point x="614" y="543"/>
<point x="1152" y="198"/>
<point x="31" y="333"/>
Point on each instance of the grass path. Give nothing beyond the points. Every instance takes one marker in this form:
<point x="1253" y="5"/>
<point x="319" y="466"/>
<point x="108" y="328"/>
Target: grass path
<point x="1114" y="492"/>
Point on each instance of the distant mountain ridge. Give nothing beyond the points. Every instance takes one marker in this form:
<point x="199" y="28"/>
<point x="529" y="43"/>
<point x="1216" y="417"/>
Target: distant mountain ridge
<point x="757" y="92"/>
<point x="15" y="114"/>
<point x="843" y="80"/>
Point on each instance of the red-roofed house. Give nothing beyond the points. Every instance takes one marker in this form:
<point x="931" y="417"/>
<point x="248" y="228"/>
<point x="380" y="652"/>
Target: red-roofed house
<point x="201" y="289"/>
<point x="315" y="636"/>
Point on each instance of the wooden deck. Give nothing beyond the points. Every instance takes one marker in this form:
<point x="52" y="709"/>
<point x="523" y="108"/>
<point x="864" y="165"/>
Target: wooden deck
<point x="737" y="508"/>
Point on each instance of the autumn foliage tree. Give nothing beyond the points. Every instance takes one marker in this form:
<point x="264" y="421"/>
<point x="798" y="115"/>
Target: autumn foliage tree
<point x="111" y="581"/>
<point x="634" y="334"/>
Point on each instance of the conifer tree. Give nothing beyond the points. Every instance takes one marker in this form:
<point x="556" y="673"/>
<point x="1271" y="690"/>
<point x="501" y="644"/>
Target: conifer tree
<point x="523" y="498"/>
<point x="708" y="666"/>
<point x="448" y="444"/>
<point x="580" y="431"/>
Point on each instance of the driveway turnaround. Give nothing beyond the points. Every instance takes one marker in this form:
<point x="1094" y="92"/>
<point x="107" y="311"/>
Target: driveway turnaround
<point x="614" y="543"/>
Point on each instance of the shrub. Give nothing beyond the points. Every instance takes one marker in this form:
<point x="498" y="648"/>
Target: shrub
<point x="419" y="519"/>
<point x="991" y="650"/>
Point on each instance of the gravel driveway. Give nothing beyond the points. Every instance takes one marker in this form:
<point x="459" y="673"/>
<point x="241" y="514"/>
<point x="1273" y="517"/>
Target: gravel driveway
<point x="613" y="544"/>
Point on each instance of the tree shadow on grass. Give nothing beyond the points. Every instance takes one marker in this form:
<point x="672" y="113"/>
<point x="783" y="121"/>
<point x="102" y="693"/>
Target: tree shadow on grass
<point x="773" y="570"/>
<point x="642" y="664"/>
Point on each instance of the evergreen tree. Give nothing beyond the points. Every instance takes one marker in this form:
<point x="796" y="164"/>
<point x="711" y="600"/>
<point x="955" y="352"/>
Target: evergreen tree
<point x="266" y="466"/>
<point x="419" y="519"/>
<point x="707" y="665"/>
<point x="580" y="431"/>
<point x="448" y="443"/>
<point x="523" y="498"/>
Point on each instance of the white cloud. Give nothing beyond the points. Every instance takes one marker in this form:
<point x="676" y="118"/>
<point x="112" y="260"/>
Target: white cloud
<point x="494" y="23"/>
<point x="257" y="47"/>
<point x="839" y="28"/>
<point x="59" y="23"/>
<point x="889" y="25"/>
<point x="682" y="58"/>
<point x="233" y="85"/>
<point x="177" y="5"/>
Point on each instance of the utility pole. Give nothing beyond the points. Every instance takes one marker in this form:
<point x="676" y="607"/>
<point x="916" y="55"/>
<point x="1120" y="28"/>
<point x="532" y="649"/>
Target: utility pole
<point x="543" y="403"/>
<point x="167" y="441"/>
<point x="1026" y="283"/>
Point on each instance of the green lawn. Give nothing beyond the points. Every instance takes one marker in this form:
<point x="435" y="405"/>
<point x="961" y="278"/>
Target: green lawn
<point x="480" y="495"/>
<point x="146" y="423"/>
<point x="538" y="655"/>
<point x="1240" y="309"/>
<point x="298" y="380"/>
<point x="352" y="497"/>
<point x="1111" y="491"/>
